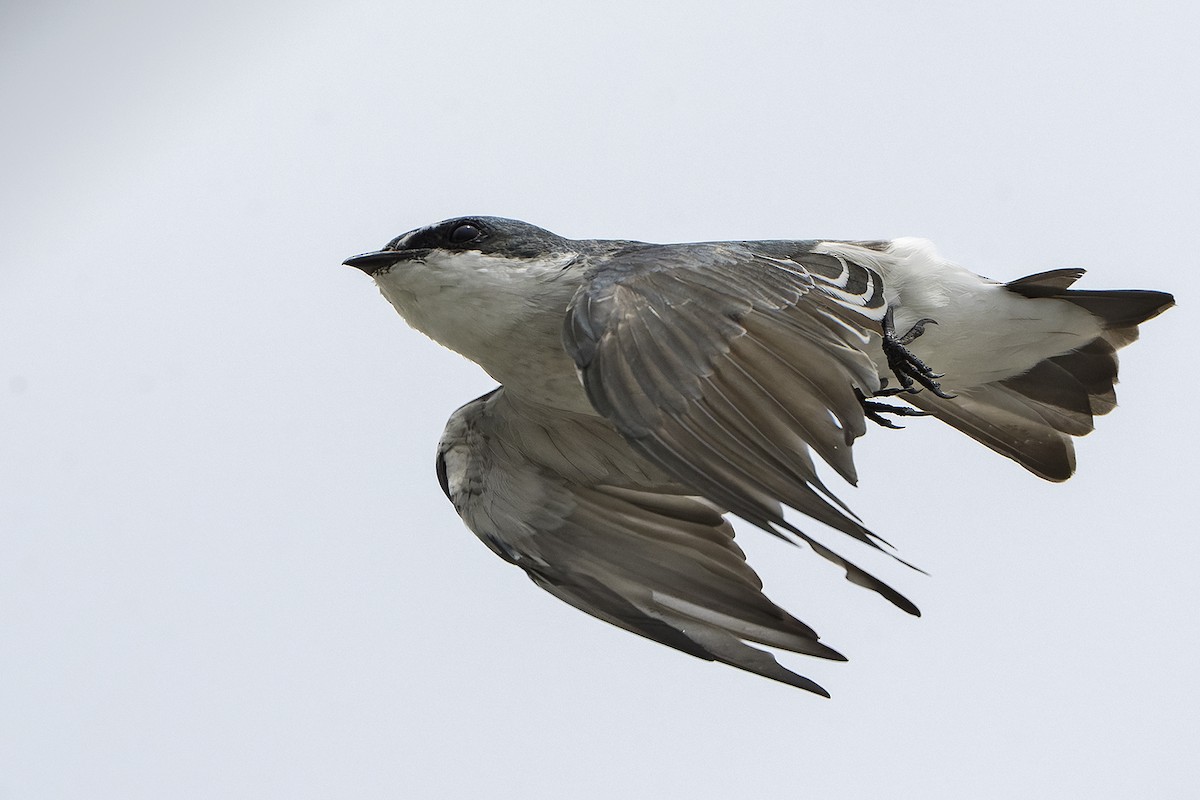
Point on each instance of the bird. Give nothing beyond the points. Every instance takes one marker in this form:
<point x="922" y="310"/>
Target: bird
<point x="650" y="392"/>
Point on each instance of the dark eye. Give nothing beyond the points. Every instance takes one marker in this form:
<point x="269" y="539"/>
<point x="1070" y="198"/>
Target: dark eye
<point x="464" y="233"/>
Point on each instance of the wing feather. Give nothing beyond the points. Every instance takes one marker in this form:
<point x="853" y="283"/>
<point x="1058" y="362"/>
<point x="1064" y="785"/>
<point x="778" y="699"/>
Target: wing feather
<point x="724" y="366"/>
<point x="648" y="559"/>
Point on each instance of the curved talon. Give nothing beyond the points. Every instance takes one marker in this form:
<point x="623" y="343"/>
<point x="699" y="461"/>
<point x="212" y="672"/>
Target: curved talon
<point x="873" y="410"/>
<point x="916" y="330"/>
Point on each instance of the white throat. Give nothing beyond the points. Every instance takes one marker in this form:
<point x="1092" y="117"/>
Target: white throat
<point x="505" y="314"/>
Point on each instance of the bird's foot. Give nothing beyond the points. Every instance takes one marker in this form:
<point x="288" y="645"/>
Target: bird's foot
<point x="874" y="410"/>
<point x="909" y="369"/>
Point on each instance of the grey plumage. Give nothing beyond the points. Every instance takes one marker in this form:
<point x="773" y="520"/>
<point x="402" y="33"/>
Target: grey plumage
<point x="650" y="389"/>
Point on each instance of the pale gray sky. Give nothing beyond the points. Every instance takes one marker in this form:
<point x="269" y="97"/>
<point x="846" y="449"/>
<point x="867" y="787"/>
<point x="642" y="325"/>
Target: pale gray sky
<point x="226" y="569"/>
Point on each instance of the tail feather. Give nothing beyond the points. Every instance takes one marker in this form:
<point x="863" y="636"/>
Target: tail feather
<point x="1060" y="397"/>
<point x="1031" y="417"/>
<point x="1046" y="284"/>
<point x="1093" y="366"/>
<point x="1120" y="310"/>
<point x="997" y="418"/>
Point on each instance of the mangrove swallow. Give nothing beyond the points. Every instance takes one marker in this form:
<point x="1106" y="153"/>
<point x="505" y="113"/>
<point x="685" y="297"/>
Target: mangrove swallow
<point x="649" y="390"/>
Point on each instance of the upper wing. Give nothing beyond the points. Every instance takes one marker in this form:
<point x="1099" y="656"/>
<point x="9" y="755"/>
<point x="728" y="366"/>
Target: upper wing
<point x="565" y="499"/>
<point x="724" y="362"/>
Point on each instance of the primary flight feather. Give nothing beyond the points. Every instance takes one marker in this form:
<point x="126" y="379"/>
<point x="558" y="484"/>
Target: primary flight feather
<point x="648" y="390"/>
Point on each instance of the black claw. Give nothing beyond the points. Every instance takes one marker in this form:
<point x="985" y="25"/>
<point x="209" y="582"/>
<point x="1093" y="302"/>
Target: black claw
<point x="916" y="330"/>
<point x="878" y="420"/>
<point x="874" y="410"/>
<point x="909" y="369"/>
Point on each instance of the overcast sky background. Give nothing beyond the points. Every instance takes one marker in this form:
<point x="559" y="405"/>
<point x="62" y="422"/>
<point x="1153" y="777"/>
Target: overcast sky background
<point x="226" y="569"/>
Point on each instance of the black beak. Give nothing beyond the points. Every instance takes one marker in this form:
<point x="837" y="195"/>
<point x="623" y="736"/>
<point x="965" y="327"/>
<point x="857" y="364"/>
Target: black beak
<point x="371" y="263"/>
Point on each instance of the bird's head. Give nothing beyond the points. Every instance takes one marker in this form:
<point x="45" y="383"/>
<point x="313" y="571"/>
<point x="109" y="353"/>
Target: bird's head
<point x="467" y="244"/>
<point x="469" y="282"/>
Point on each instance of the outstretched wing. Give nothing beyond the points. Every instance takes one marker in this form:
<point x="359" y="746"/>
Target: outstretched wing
<point x="723" y="363"/>
<point x="565" y="499"/>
